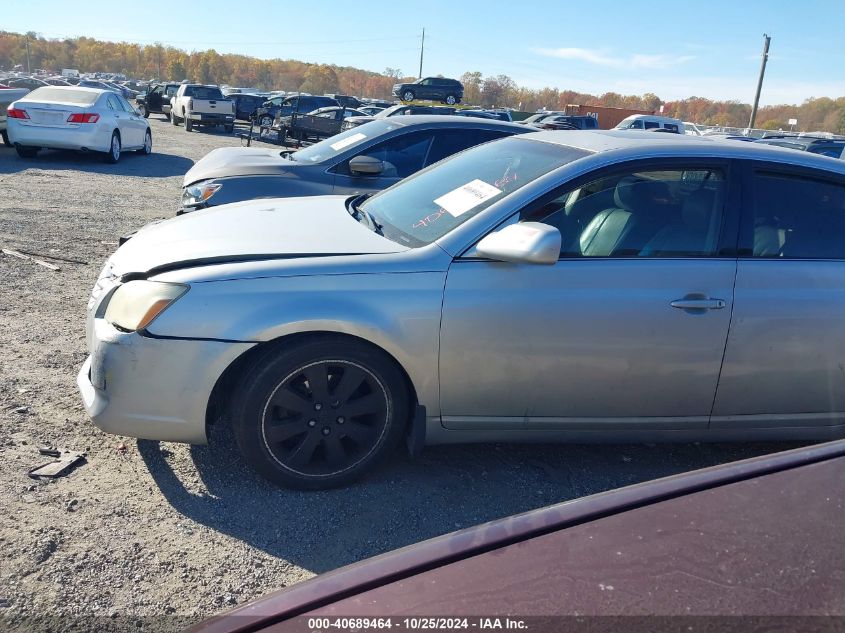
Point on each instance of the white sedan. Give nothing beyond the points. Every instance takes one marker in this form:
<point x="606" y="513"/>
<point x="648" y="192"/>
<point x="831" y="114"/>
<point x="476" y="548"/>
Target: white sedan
<point x="84" y="119"/>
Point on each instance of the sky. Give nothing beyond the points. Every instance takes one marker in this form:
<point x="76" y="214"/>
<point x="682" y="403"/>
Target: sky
<point x="674" y="49"/>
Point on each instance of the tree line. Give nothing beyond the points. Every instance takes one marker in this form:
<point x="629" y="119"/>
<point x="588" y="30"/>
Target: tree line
<point x="158" y="61"/>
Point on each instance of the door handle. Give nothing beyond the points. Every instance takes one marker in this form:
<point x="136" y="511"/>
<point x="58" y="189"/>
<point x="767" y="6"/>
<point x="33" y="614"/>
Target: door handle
<point x="698" y="304"/>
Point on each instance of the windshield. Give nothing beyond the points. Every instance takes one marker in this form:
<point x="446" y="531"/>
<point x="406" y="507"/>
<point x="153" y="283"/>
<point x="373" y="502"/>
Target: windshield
<point x="535" y="117"/>
<point x="428" y="205"/>
<point x="339" y="143"/>
<point x="624" y="124"/>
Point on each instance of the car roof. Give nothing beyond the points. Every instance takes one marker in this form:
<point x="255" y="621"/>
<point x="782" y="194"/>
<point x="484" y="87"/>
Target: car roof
<point x="637" y="144"/>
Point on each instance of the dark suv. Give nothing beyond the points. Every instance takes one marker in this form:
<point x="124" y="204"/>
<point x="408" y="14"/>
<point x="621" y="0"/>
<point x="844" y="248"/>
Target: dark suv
<point x="568" y="122"/>
<point x="449" y="91"/>
<point x="285" y="106"/>
<point x="347" y="101"/>
<point x="157" y="99"/>
<point x="246" y="105"/>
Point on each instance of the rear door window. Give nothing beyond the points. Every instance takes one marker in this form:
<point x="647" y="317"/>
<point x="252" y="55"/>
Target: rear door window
<point x="650" y="125"/>
<point x="797" y="217"/>
<point x="203" y="93"/>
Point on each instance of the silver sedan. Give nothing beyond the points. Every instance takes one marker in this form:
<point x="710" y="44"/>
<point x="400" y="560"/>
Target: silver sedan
<point x="84" y="119"/>
<point x="557" y="286"/>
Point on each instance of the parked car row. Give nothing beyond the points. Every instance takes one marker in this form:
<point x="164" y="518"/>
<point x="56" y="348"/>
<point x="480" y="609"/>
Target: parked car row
<point x="364" y="160"/>
<point x="492" y="296"/>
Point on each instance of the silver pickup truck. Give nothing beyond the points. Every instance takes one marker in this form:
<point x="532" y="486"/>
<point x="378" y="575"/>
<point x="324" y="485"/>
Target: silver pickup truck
<point x="197" y="104"/>
<point x="7" y="96"/>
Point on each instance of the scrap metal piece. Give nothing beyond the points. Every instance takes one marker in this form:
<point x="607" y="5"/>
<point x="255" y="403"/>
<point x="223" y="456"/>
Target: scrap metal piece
<point x="62" y="466"/>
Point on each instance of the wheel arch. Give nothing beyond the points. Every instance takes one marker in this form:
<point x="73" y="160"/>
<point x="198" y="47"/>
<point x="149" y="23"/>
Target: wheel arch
<point x="222" y="394"/>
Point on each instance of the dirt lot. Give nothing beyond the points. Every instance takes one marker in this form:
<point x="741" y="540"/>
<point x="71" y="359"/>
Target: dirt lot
<point x="173" y="530"/>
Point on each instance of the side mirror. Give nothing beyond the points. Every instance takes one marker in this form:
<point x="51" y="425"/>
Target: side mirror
<point x="366" y="165"/>
<point x="525" y="243"/>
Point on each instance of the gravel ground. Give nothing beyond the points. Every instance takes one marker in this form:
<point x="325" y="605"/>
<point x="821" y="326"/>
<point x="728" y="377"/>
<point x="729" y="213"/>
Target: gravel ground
<point x="139" y="536"/>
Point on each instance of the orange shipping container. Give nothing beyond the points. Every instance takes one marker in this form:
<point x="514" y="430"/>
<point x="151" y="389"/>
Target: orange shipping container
<point x="608" y="117"/>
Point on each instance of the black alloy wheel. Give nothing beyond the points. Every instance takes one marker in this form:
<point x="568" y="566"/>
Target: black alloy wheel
<point x="322" y="414"/>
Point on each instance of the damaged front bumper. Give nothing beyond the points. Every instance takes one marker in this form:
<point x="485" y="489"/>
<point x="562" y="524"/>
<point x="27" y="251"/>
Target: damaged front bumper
<point x="152" y="388"/>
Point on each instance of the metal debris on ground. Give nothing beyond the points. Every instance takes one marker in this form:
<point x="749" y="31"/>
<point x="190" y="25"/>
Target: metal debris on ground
<point x="40" y="262"/>
<point x="65" y="462"/>
<point x="69" y="260"/>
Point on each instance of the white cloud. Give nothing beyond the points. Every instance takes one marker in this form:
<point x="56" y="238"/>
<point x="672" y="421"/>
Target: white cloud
<point x="604" y="58"/>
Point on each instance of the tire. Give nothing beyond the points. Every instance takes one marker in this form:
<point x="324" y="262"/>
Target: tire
<point x="6" y="140"/>
<point x="173" y="119"/>
<point x="189" y="125"/>
<point x="113" y="154"/>
<point x="147" y="149"/>
<point x="265" y="121"/>
<point x="450" y="100"/>
<point x="166" y="116"/>
<point x="408" y="95"/>
<point x="26" y="152"/>
<point x="144" y="112"/>
<point x="320" y="443"/>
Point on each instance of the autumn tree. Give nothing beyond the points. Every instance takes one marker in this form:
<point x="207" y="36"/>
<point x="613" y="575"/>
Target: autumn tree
<point x="176" y="70"/>
<point x="472" y="82"/>
<point x="319" y="80"/>
<point x="496" y="91"/>
<point x="167" y="62"/>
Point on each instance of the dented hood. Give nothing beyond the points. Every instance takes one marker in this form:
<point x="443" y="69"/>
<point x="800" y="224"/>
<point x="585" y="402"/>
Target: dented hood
<point x="240" y="161"/>
<point x="274" y="228"/>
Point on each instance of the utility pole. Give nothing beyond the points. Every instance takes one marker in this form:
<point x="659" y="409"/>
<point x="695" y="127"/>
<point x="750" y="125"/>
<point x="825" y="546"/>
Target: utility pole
<point x="422" y="47"/>
<point x="766" y="40"/>
<point x="28" y="70"/>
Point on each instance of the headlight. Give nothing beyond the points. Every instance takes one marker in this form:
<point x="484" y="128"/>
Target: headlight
<point x="136" y="304"/>
<point x="199" y="193"/>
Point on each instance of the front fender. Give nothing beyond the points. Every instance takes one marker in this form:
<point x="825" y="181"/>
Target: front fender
<point x="399" y="313"/>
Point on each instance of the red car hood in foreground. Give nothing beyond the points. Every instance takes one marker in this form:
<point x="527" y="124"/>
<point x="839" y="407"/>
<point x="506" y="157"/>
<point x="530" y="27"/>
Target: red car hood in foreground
<point x="761" y="537"/>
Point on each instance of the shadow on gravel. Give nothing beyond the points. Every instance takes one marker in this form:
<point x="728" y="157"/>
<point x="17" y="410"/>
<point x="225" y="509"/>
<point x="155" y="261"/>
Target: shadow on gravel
<point x="408" y="500"/>
<point x="156" y="165"/>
